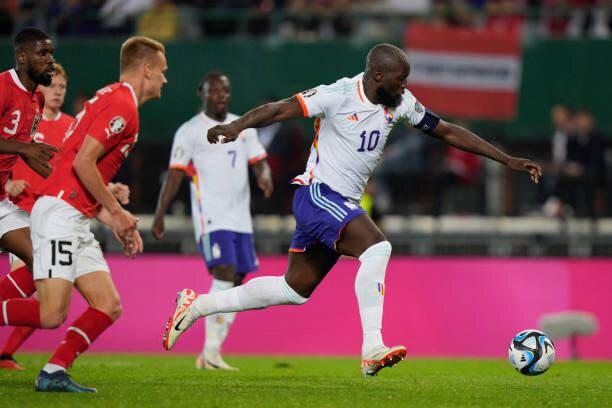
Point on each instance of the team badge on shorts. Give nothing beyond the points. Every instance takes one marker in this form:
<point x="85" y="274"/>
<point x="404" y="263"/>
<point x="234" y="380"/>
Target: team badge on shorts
<point x="216" y="251"/>
<point x="116" y="125"/>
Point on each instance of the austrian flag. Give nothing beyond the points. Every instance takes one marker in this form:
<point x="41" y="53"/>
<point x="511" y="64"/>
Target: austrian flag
<point x="465" y="72"/>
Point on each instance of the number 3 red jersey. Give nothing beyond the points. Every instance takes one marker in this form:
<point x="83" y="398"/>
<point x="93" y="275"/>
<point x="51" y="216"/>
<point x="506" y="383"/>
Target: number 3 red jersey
<point x="21" y="111"/>
<point x="52" y="132"/>
<point x="111" y="117"/>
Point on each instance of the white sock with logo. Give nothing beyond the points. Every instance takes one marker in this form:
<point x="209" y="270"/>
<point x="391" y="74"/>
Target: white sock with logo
<point x="217" y="326"/>
<point x="257" y="293"/>
<point x="370" y="290"/>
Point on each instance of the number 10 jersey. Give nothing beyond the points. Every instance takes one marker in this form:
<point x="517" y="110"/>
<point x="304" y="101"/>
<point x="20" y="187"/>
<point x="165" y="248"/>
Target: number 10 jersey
<point x="350" y="134"/>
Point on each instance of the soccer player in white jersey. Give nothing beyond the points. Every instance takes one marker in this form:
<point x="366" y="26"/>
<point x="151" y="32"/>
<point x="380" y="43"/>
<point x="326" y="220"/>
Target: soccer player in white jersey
<point x="220" y="199"/>
<point x="353" y="119"/>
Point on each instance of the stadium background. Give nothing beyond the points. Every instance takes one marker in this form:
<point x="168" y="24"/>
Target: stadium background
<point x="488" y="255"/>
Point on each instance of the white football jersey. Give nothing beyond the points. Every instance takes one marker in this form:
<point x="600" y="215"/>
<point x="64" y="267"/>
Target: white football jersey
<point x="350" y="134"/>
<point x="220" y="194"/>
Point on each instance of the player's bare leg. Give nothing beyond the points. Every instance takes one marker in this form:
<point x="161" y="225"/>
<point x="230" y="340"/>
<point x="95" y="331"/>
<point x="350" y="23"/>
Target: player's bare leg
<point x="217" y="326"/>
<point x="305" y="271"/>
<point x="104" y="308"/>
<point x="18" y="283"/>
<point x="362" y="239"/>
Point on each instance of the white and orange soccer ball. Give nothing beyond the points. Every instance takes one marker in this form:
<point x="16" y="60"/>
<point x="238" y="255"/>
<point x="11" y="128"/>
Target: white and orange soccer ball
<point x="531" y="352"/>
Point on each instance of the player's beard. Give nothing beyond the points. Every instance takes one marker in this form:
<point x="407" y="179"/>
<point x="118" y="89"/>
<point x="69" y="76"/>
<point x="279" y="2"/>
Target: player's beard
<point x="43" y="78"/>
<point x="387" y="98"/>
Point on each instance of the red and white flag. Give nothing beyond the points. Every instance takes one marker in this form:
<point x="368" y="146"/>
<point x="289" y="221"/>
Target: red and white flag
<point x="464" y="72"/>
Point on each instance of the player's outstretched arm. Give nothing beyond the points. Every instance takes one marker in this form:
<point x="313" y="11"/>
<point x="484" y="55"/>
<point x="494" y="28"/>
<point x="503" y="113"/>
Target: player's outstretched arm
<point x="463" y="139"/>
<point x="261" y="116"/>
<point x="263" y="174"/>
<point x="166" y="196"/>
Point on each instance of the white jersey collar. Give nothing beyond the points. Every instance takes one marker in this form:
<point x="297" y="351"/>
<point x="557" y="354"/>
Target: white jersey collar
<point x="55" y="119"/>
<point x="16" y="79"/>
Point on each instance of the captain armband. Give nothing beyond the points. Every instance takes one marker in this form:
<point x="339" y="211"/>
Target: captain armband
<point x="429" y="122"/>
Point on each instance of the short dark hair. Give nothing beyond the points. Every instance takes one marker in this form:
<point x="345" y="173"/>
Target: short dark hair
<point x="209" y="75"/>
<point x="27" y="36"/>
<point x="137" y="49"/>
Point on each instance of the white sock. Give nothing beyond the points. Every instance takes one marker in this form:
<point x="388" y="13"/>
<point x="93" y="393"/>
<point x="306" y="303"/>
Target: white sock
<point x="370" y="290"/>
<point x="217" y="325"/>
<point x="52" y="368"/>
<point x="257" y="293"/>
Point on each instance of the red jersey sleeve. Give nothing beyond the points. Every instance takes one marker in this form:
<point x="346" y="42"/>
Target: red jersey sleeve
<point x="110" y="123"/>
<point x="3" y="97"/>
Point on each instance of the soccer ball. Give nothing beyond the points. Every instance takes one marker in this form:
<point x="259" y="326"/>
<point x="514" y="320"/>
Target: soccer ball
<point x="531" y="352"/>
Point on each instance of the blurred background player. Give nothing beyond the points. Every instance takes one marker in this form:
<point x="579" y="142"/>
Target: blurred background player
<point x="220" y="198"/>
<point x="23" y="186"/>
<point x="21" y="105"/>
<point x="66" y="253"/>
<point x="354" y="117"/>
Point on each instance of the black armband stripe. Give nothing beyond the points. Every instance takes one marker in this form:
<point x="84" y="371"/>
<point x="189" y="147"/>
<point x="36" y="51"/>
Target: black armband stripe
<point x="429" y="122"/>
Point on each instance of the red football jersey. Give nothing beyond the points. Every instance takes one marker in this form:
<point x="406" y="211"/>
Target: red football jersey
<point x="112" y="118"/>
<point x="21" y="111"/>
<point x="50" y="131"/>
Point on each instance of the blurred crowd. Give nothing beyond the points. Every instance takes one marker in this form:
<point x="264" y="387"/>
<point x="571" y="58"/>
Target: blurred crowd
<point x="575" y="180"/>
<point x="545" y="18"/>
<point x="301" y="19"/>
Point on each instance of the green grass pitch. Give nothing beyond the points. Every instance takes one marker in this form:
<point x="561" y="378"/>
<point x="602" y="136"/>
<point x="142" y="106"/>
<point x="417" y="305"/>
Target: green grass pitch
<point x="170" y="380"/>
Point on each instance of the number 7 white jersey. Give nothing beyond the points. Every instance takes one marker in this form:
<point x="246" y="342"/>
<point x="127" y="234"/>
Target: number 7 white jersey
<point x="220" y="193"/>
<point x="351" y="133"/>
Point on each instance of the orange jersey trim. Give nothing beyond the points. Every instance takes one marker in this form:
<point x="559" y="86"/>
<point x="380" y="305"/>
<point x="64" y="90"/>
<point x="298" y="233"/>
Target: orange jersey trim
<point x="359" y="91"/>
<point x="300" y="99"/>
<point x="315" y="144"/>
<point x="258" y="158"/>
<point x="189" y="169"/>
<point x="179" y="167"/>
<point x="298" y="181"/>
<point x="297" y="250"/>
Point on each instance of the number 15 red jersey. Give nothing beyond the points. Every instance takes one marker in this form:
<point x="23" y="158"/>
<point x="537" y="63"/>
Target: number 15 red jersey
<point x="111" y="117"/>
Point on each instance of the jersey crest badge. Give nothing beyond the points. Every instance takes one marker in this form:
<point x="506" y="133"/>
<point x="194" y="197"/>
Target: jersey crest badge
<point x="178" y="152"/>
<point x="418" y="107"/>
<point x="116" y="125"/>
<point x="308" y="93"/>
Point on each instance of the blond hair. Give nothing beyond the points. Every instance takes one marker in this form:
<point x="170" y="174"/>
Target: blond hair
<point x="136" y="49"/>
<point x="59" y="70"/>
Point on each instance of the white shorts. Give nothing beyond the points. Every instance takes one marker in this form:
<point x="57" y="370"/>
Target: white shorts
<point x="12" y="217"/>
<point x="64" y="246"/>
